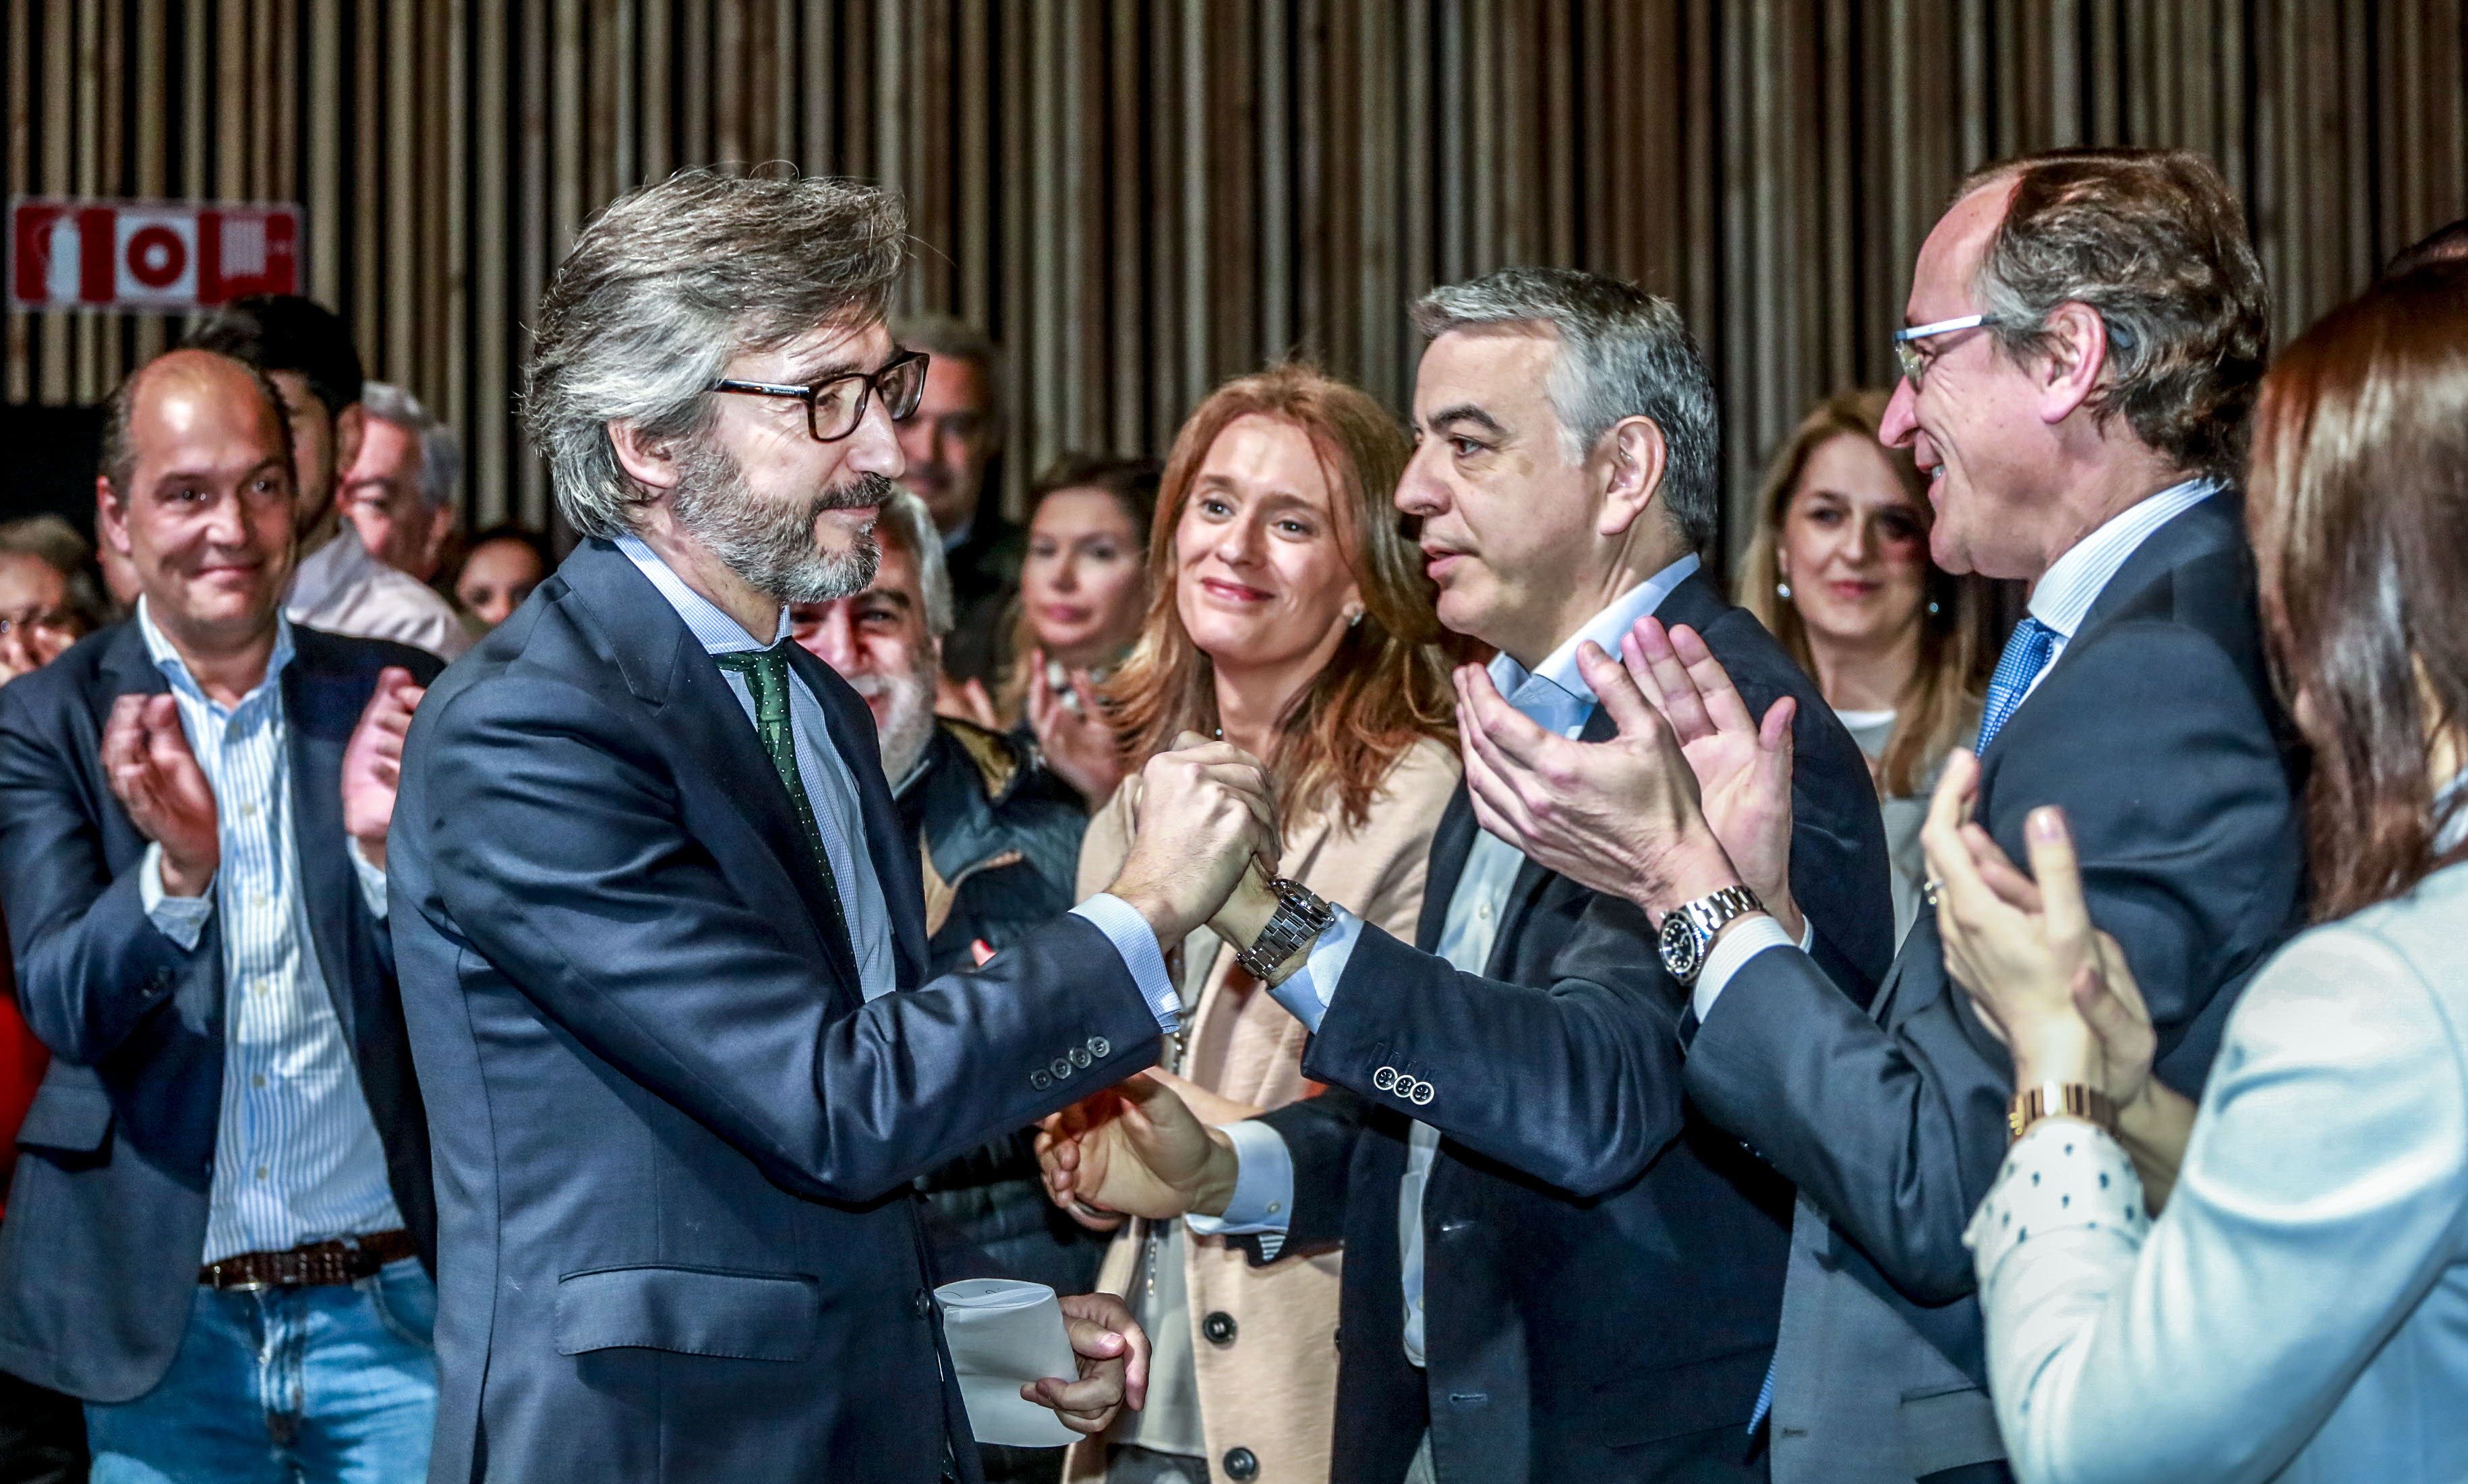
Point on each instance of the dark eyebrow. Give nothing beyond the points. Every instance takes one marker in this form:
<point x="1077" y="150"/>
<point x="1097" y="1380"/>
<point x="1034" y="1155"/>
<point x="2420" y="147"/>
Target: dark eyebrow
<point x="889" y="595"/>
<point x="1467" y="412"/>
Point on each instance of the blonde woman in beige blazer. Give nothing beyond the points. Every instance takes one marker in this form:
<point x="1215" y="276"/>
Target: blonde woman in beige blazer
<point x="1291" y="617"/>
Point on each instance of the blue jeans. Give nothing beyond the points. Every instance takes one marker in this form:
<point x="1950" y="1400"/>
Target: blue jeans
<point x="287" y="1386"/>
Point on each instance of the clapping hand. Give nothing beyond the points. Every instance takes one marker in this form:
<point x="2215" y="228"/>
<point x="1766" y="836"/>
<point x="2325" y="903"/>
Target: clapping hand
<point x="156" y="778"/>
<point x="1692" y="795"/>
<point x="1113" y="1356"/>
<point x="2044" y="980"/>
<point x="1078" y="740"/>
<point x="373" y="762"/>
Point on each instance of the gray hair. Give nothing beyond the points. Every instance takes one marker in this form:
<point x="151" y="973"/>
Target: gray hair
<point x="907" y="521"/>
<point x="441" y="453"/>
<point x="946" y="338"/>
<point x="53" y="542"/>
<point x="669" y="284"/>
<point x="1623" y="353"/>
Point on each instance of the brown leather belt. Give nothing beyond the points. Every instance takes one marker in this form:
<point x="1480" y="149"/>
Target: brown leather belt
<point x="312" y="1265"/>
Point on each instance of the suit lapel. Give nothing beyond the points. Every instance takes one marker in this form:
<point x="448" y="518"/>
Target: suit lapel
<point x="321" y="704"/>
<point x="1451" y="843"/>
<point x="895" y="866"/>
<point x="666" y="667"/>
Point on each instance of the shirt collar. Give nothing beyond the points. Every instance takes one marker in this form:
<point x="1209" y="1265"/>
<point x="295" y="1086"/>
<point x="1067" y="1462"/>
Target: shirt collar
<point x="175" y="669"/>
<point x="1554" y="694"/>
<point x="713" y="628"/>
<point x="2072" y="583"/>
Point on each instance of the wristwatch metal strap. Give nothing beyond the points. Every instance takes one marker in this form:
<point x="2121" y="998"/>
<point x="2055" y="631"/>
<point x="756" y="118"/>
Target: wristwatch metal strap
<point x="2055" y="1098"/>
<point x="1294" y="923"/>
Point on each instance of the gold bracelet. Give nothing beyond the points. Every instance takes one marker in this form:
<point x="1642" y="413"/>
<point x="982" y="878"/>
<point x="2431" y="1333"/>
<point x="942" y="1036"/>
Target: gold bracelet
<point x="2067" y="1099"/>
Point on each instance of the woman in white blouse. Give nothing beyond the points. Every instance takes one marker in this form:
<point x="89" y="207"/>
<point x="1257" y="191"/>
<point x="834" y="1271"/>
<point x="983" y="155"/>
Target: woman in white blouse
<point x="2298" y="1308"/>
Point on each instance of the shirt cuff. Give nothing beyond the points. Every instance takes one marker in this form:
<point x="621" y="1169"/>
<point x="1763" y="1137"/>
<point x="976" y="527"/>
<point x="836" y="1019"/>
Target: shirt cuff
<point x="180" y="919"/>
<point x="1743" y="943"/>
<point x="1263" y="1202"/>
<point x="1136" y="942"/>
<point x="372" y="879"/>
<point x="2062" y="1176"/>
<point x="1307" y="991"/>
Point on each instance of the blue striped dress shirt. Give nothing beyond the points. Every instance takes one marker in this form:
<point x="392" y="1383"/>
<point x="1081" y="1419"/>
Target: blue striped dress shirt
<point x="297" y="1157"/>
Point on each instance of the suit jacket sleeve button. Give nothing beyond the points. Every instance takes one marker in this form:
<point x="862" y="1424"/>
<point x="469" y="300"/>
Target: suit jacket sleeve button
<point x="1100" y="1047"/>
<point x="1082" y="1057"/>
<point x="1241" y="1462"/>
<point x="1217" y="1328"/>
<point x="1060" y="1066"/>
<point x="1040" y="1080"/>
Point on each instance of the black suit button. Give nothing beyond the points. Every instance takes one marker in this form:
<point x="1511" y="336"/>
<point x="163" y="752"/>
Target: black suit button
<point x="1040" y="1080"/>
<point x="1219" y="1328"/>
<point x="923" y="1303"/>
<point x="1241" y="1462"/>
<point x="1100" y="1047"/>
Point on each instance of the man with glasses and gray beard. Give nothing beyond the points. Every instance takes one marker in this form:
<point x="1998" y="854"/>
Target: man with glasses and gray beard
<point x="998" y="844"/>
<point x="663" y="938"/>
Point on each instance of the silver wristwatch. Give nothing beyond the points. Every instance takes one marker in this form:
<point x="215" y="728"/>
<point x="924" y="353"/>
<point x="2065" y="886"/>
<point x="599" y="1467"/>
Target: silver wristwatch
<point x="1688" y="933"/>
<point x="1300" y="917"/>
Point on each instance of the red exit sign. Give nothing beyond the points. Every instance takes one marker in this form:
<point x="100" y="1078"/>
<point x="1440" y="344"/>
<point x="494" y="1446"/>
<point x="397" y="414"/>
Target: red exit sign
<point x="162" y="256"/>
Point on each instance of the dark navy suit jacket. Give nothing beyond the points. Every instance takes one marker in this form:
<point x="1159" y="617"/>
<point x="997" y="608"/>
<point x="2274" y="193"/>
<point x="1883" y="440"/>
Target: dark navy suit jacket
<point x="674" y="1142"/>
<point x="107" y="1215"/>
<point x="1602" y="1269"/>
<point x="2157" y="731"/>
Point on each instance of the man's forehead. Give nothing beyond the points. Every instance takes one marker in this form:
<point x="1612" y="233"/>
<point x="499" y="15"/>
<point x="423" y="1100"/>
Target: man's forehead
<point x="1497" y="367"/>
<point x="202" y="398"/>
<point x="1950" y="254"/>
<point x="827" y="346"/>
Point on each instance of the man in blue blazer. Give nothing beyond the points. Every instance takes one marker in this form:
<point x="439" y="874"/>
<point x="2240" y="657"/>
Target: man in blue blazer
<point x="661" y="932"/>
<point x="1554" y="1268"/>
<point x="218" y="1226"/>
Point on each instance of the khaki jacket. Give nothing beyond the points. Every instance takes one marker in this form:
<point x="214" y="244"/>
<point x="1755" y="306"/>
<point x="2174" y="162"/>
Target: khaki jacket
<point x="1272" y="1390"/>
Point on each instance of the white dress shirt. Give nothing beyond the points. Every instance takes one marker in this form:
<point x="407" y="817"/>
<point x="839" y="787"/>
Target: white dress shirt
<point x="2300" y="1312"/>
<point x="297" y="1157"/>
<point x="1554" y="695"/>
<point x="839" y="817"/>
<point x="2063" y="595"/>
<point x="343" y="589"/>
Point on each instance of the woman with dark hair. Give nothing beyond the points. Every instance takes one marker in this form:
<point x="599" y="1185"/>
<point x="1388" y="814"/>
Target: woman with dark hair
<point x="499" y="570"/>
<point x="1290" y="614"/>
<point x="1839" y="571"/>
<point x="2299" y="1311"/>
<point x="1084" y="591"/>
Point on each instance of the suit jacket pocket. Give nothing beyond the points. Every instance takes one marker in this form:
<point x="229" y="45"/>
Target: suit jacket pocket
<point x="689" y="1310"/>
<point x="1719" y="1391"/>
<point x="68" y="1118"/>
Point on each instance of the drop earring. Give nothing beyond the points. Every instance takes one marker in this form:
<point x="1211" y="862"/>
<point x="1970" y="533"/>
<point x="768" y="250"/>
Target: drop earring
<point x="1933" y="609"/>
<point x="1782" y="590"/>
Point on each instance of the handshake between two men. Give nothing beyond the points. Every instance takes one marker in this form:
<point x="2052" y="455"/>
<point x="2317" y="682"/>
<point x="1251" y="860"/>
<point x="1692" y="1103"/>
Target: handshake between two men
<point x="1692" y="796"/>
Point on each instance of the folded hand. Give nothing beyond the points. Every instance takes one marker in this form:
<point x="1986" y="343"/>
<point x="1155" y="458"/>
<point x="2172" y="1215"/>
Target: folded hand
<point x="1135" y="1148"/>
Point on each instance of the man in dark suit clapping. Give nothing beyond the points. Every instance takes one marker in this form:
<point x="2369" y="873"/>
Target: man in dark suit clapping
<point x="662" y="933"/>
<point x="2086" y="333"/>
<point x="216" y="1232"/>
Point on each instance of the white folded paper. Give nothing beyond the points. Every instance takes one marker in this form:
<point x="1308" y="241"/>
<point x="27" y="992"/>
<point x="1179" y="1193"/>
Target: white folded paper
<point x="1003" y="1334"/>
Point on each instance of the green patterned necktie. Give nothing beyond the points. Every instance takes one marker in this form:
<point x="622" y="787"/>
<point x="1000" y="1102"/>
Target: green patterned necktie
<point x="767" y="676"/>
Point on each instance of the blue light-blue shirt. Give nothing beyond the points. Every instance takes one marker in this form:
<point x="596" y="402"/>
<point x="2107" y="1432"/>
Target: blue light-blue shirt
<point x="297" y="1157"/>
<point x="832" y="789"/>
<point x="1553" y="695"/>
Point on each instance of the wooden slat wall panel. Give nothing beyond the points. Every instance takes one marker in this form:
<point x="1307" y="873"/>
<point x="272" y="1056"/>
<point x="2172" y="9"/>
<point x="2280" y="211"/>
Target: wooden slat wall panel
<point x="1142" y="197"/>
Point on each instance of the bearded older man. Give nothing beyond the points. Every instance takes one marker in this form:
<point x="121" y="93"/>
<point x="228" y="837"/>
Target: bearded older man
<point x="662" y="938"/>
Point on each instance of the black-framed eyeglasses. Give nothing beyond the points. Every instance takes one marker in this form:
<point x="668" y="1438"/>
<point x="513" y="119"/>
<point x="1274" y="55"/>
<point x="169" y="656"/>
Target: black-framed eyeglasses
<point x="836" y="405"/>
<point x="1913" y="359"/>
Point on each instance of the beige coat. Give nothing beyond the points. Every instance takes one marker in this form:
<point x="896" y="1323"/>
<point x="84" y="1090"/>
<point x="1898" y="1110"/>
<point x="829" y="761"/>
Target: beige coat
<point x="1273" y="1389"/>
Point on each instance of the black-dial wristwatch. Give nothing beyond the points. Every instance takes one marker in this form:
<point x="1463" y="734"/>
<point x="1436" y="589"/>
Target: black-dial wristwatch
<point x="1688" y="932"/>
<point x="1300" y="917"/>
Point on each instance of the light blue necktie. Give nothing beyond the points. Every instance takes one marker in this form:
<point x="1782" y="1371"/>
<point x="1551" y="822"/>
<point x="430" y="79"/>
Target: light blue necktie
<point x="2026" y="655"/>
